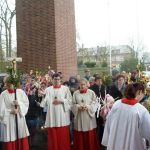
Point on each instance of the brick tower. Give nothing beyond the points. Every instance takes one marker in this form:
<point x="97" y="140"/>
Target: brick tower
<point x="46" y="35"/>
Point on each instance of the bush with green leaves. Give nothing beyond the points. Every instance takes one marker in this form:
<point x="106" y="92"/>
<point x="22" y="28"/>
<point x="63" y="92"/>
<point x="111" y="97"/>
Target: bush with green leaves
<point x="90" y="64"/>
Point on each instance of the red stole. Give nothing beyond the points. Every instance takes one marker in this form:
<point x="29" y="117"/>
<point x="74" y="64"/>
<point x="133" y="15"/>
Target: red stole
<point x="57" y="86"/>
<point x="11" y="91"/>
<point x="129" y="101"/>
<point x="83" y="91"/>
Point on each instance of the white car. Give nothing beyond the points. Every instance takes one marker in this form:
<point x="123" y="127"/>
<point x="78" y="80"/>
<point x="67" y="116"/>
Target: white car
<point x="2" y="75"/>
<point x="146" y="73"/>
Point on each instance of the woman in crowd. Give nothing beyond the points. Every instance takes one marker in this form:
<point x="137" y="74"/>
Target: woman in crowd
<point x="128" y="122"/>
<point x="107" y="107"/>
<point x="85" y="137"/>
<point x="33" y="113"/>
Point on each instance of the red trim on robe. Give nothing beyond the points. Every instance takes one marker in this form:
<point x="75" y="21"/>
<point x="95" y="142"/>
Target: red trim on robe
<point x="59" y="138"/>
<point x="10" y="91"/>
<point x="23" y="144"/>
<point x="86" y="140"/>
<point x="57" y="86"/>
<point x="129" y="101"/>
<point x="83" y="91"/>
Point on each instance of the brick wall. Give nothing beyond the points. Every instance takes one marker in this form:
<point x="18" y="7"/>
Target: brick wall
<point x="46" y="35"/>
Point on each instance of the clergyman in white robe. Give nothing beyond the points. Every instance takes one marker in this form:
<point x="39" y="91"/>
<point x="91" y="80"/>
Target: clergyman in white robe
<point x="85" y="136"/>
<point x="126" y="127"/>
<point x="7" y="119"/>
<point x="58" y="117"/>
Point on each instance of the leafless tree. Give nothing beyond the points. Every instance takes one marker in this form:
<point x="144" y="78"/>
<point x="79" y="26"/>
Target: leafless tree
<point x="7" y="15"/>
<point x="84" y="53"/>
<point x="102" y="53"/>
<point x="138" y="48"/>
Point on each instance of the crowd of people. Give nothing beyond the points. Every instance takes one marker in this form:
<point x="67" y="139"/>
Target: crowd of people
<point x="82" y="112"/>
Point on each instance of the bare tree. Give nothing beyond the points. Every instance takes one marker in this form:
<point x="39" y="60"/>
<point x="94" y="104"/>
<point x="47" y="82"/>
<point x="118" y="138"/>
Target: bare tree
<point x="84" y="53"/>
<point x="7" y="15"/>
<point x="1" y="47"/>
<point x="102" y="54"/>
<point x="138" y="48"/>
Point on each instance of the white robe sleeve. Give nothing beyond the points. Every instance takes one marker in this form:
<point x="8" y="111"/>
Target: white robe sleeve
<point x="106" y="130"/>
<point x="92" y="107"/>
<point x="75" y="106"/>
<point x="67" y="100"/>
<point x="2" y="109"/>
<point x="23" y="104"/>
<point x="145" y="126"/>
<point x="44" y="100"/>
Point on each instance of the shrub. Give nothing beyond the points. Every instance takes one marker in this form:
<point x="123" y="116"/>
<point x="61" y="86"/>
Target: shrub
<point x="90" y="64"/>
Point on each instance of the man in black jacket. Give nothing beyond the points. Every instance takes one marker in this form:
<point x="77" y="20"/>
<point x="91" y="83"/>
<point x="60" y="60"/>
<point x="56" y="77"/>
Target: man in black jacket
<point x="98" y="87"/>
<point x="1" y="86"/>
<point x="118" y="88"/>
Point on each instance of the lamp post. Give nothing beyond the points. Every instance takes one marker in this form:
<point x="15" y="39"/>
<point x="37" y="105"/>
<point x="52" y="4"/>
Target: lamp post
<point x="109" y="38"/>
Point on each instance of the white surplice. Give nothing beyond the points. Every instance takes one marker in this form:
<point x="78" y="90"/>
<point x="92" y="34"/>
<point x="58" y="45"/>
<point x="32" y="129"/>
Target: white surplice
<point x="126" y="127"/>
<point x="57" y="115"/>
<point x="84" y="120"/>
<point x="8" y="124"/>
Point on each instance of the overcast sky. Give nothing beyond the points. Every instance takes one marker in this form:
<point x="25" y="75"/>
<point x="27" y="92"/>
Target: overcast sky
<point x="100" y="22"/>
<point x="113" y="21"/>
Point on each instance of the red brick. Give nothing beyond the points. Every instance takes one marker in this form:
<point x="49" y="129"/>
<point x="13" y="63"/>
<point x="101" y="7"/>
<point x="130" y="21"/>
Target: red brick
<point x="46" y="35"/>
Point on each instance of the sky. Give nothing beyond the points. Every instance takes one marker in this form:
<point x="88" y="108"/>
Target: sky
<point x="114" y="22"/>
<point x="110" y="22"/>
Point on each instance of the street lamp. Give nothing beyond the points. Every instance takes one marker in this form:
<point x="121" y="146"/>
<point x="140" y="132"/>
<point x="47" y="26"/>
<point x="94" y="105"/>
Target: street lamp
<point x="109" y="37"/>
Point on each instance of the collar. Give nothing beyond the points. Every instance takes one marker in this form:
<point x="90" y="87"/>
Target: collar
<point x="57" y="86"/>
<point x="129" y="101"/>
<point x="10" y="91"/>
<point x="83" y="91"/>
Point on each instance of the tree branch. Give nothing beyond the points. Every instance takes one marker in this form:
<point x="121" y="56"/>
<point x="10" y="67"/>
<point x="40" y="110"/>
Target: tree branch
<point x="7" y="6"/>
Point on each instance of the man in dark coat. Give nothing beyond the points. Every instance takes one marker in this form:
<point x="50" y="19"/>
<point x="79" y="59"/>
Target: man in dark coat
<point x="1" y="86"/>
<point x="118" y="88"/>
<point x="98" y="87"/>
<point x="87" y="74"/>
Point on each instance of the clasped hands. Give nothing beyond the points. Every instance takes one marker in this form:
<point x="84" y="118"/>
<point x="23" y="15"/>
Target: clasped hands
<point x="83" y="107"/>
<point x="15" y="109"/>
<point x="57" y="102"/>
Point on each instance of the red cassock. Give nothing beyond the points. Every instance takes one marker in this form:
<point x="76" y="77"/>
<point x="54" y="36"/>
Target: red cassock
<point x="20" y="144"/>
<point x="86" y="140"/>
<point x="59" y="138"/>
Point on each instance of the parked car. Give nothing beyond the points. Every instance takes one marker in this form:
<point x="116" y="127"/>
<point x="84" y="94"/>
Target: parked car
<point x="146" y="73"/>
<point x="2" y="75"/>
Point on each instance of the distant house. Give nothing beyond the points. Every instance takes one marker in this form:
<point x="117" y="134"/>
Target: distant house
<point x="120" y="53"/>
<point x="86" y="55"/>
<point x="101" y="54"/>
<point x="146" y="60"/>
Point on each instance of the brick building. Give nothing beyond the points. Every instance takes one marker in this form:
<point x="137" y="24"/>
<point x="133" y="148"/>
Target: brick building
<point x="46" y="35"/>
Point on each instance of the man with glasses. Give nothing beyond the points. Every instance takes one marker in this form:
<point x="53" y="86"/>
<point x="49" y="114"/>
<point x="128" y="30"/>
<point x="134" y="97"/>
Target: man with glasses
<point x="58" y="100"/>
